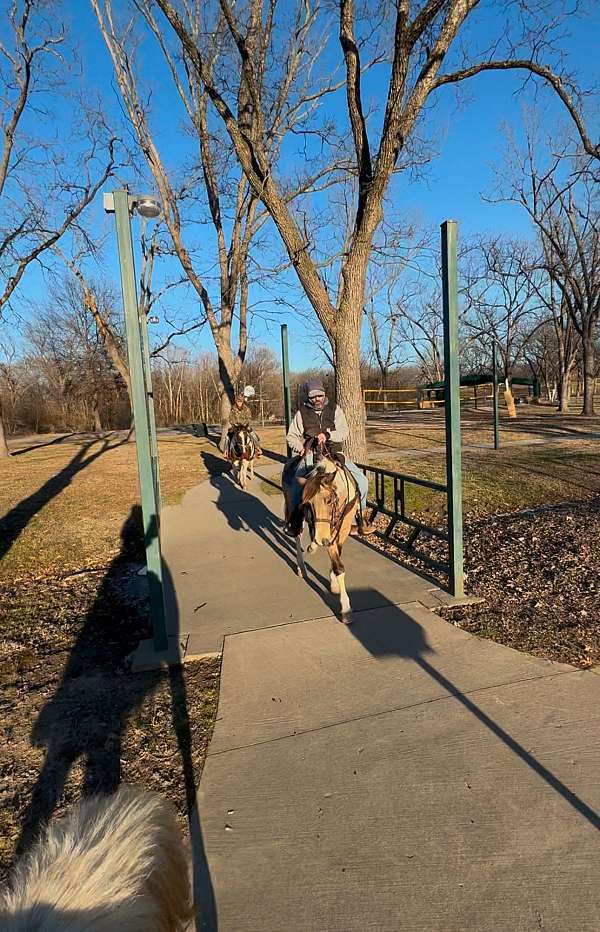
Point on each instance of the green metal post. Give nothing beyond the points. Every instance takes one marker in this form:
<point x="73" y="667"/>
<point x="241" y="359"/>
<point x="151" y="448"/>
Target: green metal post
<point x="287" y="403"/>
<point x="452" y="406"/>
<point x="139" y="401"/>
<point x="496" y="406"/>
<point x="143" y="325"/>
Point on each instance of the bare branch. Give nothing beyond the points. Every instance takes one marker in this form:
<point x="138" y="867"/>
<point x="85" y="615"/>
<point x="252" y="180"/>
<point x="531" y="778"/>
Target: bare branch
<point x="542" y="71"/>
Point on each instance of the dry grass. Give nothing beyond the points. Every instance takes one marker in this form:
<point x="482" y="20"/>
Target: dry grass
<point x="63" y="505"/>
<point x="507" y="480"/>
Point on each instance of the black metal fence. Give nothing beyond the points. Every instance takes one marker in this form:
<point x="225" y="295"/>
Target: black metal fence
<point x="390" y="500"/>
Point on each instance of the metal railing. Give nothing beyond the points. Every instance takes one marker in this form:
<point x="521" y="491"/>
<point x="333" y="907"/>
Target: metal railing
<point x="390" y="500"/>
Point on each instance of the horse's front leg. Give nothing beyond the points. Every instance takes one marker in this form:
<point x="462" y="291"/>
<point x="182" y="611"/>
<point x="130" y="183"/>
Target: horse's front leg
<point x="338" y="582"/>
<point x="243" y="473"/>
<point x="300" y="558"/>
<point x="251" y="469"/>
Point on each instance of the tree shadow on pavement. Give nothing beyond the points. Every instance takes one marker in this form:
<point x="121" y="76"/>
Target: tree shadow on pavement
<point x="395" y="633"/>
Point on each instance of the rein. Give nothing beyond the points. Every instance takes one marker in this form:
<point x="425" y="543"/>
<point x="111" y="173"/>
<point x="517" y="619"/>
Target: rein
<point x="335" y="523"/>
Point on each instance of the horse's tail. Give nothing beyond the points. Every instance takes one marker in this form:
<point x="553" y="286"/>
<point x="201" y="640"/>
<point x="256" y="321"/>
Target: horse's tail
<point x="115" y="862"/>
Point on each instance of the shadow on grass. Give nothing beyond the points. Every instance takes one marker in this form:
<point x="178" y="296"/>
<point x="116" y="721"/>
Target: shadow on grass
<point x="49" y="443"/>
<point x="87" y="716"/>
<point x="14" y="522"/>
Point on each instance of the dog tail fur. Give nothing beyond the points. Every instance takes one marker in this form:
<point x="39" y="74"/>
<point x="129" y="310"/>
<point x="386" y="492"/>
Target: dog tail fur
<point x="113" y="862"/>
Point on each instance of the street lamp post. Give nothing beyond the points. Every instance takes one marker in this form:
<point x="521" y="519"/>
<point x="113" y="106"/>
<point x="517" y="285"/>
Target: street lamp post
<point x="122" y="203"/>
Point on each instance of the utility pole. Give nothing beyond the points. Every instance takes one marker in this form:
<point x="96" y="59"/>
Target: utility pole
<point x="452" y="406"/>
<point x="287" y="406"/>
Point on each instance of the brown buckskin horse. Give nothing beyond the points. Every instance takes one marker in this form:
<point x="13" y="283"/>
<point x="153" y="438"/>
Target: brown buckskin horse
<point x="241" y="454"/>
<point x="330" y="501"/>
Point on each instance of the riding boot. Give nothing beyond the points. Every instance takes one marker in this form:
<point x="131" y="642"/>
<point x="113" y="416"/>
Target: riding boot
<point x="293" y="525"/>
<point x="362" y="528"/>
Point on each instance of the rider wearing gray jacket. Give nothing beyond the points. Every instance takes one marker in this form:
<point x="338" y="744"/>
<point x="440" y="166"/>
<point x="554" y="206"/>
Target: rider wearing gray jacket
<point x="320" y="421"/>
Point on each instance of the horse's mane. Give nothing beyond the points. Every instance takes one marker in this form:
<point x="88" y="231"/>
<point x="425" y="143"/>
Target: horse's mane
<point x="313" y="484"/>
<point x="314" y="480"/>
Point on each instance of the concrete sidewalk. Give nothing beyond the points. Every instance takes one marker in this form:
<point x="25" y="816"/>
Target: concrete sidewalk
<point x="397" y="774"/>
<point x="230" y="568"/>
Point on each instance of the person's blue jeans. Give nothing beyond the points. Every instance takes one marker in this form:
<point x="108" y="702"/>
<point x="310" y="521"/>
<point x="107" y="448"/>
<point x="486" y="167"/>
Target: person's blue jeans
<point x="294" y="489"/>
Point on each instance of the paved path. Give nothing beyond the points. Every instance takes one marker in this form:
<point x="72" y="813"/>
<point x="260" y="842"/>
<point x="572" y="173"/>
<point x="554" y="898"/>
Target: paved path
<point x="230" y="568"/>
<point x="395" y="775"/>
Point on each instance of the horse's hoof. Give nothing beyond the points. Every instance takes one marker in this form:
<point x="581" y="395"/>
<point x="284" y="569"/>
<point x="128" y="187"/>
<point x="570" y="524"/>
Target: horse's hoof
<point x="347" y="618"/>
<point x="311" y="547"/>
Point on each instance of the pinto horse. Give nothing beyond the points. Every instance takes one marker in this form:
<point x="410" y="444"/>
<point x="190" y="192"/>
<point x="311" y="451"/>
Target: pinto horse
<point x="241" y="454"/>
<point x="330" y="500"/>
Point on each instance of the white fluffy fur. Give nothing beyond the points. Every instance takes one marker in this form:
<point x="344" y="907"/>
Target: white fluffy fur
<point x="113" y="863"/>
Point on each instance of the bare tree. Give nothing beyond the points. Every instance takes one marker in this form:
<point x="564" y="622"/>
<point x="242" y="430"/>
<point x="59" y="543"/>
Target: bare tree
<point x="231" y="202"/>
<point x="44" y="189"/>
<point x="503" y="298"/>
<point x="101" y="304"/>
<point x="421" y="327"/>
<point x="424" y="35"/>
<point x="101" y="317"/>
<point x="560" y="195"/>
<point x="556" y="344"/>
<point x="383" y="332"/>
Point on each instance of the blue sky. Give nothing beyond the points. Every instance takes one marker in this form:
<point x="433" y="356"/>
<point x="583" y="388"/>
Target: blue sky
<point x="469" y="141"/>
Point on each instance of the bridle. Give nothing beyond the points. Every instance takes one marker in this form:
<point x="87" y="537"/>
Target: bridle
<point x="336" y="520"/>
<point x="244" y="448"/>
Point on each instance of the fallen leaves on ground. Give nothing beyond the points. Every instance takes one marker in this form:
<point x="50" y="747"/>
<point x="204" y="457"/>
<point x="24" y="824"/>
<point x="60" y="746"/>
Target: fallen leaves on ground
<point x="74" y="718"/>
<point x="536" y="574"/>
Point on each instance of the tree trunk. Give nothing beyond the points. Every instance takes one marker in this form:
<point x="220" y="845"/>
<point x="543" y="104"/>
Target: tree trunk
<point x="224" y="409"/>
<point x="564" y="388"/>
<point x="98" y="429"/>
<point x="226" y="394"/>
<point x="348" y="388"/>
<point x="588" y="375"/>
<point x="4" y="451"/>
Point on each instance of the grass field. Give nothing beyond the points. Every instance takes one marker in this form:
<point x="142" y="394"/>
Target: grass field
<point x="64" y="504"/>
<point x="506" y="480"/>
